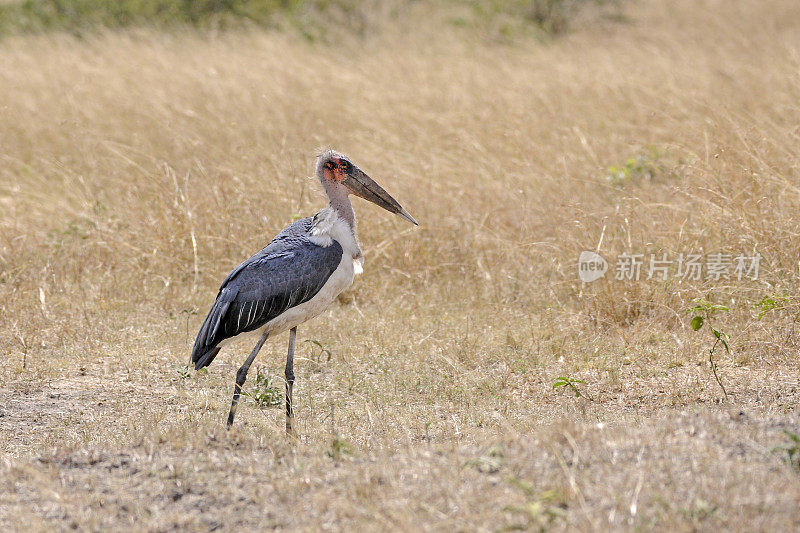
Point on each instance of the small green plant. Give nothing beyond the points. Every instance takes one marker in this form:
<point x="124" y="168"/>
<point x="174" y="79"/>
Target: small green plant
<point x="265" y="394"/>
<point x="791" y="449"/>
<point x="540" y="510"/>
<point x="769" y="303"/>
<point x="551" y="15"/>
<point x="488" y="463"/>
<point x="568" y="382"/>
<point x="189" y="313"/>
<point x="700" y="510"/>
<point x="319" y="353"/>
<point x="650" y="165"/>
<point x="340" y="448"/>
<point x="704" y="313"/>
<point x="25" y="346"/>
<point x="182" y="371"/>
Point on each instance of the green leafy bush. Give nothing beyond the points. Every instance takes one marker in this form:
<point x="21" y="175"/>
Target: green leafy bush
<point x="552" y="16"/>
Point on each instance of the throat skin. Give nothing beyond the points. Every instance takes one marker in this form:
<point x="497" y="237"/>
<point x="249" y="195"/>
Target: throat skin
<point x="340" y="202"/>
<point x="345" y="229"/>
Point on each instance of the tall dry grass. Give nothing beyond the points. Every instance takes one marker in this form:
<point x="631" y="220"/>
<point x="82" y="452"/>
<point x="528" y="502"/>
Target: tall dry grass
<point x="136" y="169"/>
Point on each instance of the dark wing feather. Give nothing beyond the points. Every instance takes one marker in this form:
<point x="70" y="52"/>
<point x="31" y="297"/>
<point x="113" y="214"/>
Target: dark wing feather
<point x="288" y="272"/>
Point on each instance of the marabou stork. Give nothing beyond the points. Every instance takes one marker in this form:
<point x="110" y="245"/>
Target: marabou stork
<point x="296" y="277"/>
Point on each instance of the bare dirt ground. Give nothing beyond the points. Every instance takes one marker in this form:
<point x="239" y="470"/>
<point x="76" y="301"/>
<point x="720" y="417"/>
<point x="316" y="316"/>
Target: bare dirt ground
<point x="580" y="466"/>
<point x="137" y="168"/>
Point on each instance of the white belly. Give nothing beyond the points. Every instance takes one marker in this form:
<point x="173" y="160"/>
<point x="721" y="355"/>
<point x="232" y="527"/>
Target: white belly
<point x="341" y="278"/>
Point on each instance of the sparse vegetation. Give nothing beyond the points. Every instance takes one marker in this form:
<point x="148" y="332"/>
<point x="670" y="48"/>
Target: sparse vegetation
<point x="540" y="511"/>
<point x="314" y="19"/>
<point x="183" y="371"/>
<point x="704" y="313"/>
<point x="646" y="167"/>
<point x="264" y="393"/>
<point x="139" y="165"/>
<point x="790" y="449"/>
<point x="770" y="303"/>
<point x="567" y="382"/>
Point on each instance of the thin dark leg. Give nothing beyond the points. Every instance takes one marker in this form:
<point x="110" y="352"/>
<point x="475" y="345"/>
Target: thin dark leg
<point x="241" y="376"/>
<point x="289" y="373"/>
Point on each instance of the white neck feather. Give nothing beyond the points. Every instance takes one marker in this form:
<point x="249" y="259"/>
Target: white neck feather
<point x="330" y="226"/>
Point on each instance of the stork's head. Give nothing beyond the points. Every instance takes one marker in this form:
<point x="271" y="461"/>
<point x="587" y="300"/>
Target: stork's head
<point x="334" y="168"/>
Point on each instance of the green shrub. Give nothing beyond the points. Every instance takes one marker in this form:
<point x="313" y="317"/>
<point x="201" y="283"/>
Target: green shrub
<point x="551" y="16"/>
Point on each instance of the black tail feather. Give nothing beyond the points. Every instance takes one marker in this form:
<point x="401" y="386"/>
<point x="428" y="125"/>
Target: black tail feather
<point x="210" y="335"/>
<point x="206" y="358"/>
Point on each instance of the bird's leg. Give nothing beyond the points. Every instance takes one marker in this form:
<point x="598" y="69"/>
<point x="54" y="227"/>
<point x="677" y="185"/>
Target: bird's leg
<point x="289" y="373"/>
<point x="241" y="376"/>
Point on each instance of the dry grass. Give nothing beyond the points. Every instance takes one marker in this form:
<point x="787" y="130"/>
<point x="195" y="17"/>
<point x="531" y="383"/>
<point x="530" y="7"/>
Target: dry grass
<point x="137" y="168"/>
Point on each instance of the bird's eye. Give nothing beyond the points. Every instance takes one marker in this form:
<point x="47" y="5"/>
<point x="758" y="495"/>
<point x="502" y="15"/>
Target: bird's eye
<point x="345" y="165"/>
<point x="329" y="165"/>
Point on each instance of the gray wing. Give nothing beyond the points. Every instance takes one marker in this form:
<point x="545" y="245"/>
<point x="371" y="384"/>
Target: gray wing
<point x="288" y="272"/>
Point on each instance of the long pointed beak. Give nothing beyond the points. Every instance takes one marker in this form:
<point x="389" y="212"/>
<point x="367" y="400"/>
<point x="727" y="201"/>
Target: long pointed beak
<point x="362" y="185"/>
